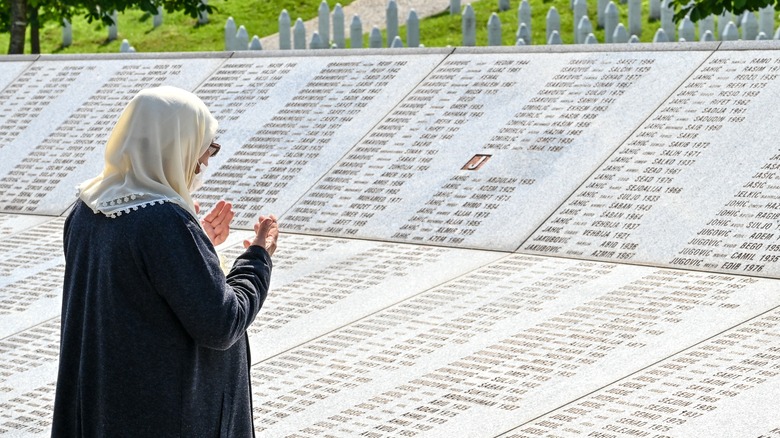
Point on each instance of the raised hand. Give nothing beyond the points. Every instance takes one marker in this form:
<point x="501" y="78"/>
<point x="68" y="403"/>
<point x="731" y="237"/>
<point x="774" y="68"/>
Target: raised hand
<point x="266" y="234"/>
<point x="217" y="222"/>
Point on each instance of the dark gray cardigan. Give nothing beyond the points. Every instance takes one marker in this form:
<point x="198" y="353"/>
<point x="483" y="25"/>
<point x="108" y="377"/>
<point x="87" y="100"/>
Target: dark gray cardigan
<point x="154" y="337"/>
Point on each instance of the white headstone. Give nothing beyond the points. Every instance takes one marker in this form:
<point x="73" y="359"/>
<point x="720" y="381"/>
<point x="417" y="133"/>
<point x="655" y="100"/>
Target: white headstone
<point x="454" y="7"/>
<point x="583" y="29"/>
<point x="242" y="39"/>
<point x="494" y="30"/>
<point x="635" y="17"/>
<point x="580" y="10"/>
<point x="203" y="16"/>
<point x="730" y="32"/>
<point x="157" y="20"/>
<point x="285" y="42"/>
<point x="230" y="34"/>
<point x="392" y="21"/>
<point x="524" y="33"/>
<point x="356" y="33"/>
<point x="749" y="26"/>
<point x="687" y="30"/>
<point x="601" y="6"/>
<point x="707" y="36"/>
<point x="469" y="26"/>
<point x="766" y="20"/>
<point x="723" y="20"/>
<point x="503" y="5"/>
<point x="591" y="39"/>
<point x="67" y="33"/>
<point x="112" y="29"/>
<point x="323" y="24"/>
<point x="299" y="35"/>
<point x="555" y="38"/>
<point x="707" y="24"/>
<point x="339" y="39"/>
<point x="375" y="39"/>
<point x="524" y="14"/>
<point x="761" y="36"/>
<point x="667" y="19"/>
<point x="660" y="36"/>
<point x="620" y="35"/>
<point x="611" y="18"/>
<point x="634" y="39"/>
<point x="519" y="42"/>
<point x="655" y="10"/>
<point x="124" y="47"/>
<point x="413" y="30"/>
<point x="316" y="42"/>
<point x="255" y="44"/>
<point x="553" y="22"/>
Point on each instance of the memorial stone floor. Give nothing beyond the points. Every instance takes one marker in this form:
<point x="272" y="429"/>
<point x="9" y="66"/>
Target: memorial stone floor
<point x="485" y="242"/>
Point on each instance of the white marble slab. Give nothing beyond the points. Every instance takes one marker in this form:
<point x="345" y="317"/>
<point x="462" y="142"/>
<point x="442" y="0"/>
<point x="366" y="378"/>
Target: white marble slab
<point x="32" y="267"/>
<point x="509" y="342"/>
<point x="696" y="186"/>
<point x="723" y="387"/>
<point x="8" y="71"/>
<point x="29" y="362"/>
<point x="63" y="113"/>
<point x="320" y="284"/>
<point x="284" y="121"/>
<point x="489" y="142"/>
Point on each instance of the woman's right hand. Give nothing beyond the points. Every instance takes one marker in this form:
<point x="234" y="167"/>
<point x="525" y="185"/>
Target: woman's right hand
<point x="266" y="234"/>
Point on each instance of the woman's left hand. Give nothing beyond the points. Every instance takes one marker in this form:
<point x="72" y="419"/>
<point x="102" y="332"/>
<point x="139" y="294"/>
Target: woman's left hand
<point x="217" y="222"/>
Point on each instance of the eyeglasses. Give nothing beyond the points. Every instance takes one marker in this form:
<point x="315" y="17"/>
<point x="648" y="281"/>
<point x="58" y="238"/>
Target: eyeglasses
<point x="213" y="149"/>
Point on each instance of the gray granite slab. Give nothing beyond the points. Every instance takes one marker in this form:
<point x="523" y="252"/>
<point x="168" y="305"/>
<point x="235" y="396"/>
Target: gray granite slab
<point x="508" y="342"/>
<point x="284" y="121"/>
<point x="696" y="186"/>
<point x="32" y="267"/>
<point x="63" y="112"/>
<point x="320" y="284"/>
<point x="723" y="387"/>
<point x="484" y="150"/>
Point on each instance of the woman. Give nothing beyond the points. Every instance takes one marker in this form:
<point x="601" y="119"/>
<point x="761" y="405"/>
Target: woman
<point x="153" y="334"/>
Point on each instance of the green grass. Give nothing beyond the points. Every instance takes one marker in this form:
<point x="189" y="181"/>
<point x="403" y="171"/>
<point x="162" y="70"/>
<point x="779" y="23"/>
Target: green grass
<point x="181" y="33"/>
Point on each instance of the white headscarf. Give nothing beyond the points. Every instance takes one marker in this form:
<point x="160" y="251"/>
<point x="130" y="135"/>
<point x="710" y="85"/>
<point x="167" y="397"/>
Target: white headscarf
<point x="152" y="153"/>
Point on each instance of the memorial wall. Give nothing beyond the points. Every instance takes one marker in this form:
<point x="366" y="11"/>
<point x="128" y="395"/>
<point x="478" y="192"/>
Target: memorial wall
<point x="498" y="242"/>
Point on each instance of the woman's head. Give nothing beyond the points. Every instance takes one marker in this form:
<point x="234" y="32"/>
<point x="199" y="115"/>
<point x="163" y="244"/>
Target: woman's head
<point x="153" y="152"/>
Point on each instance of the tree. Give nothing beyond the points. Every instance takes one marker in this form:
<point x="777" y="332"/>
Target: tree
<point x="15" y="15"/>
<point x="699" y="9"/>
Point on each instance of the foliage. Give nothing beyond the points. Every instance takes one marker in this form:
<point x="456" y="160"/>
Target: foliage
<point x="698" y="9"/>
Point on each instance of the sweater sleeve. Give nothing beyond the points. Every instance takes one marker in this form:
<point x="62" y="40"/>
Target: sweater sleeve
<point x="184" y="269"/>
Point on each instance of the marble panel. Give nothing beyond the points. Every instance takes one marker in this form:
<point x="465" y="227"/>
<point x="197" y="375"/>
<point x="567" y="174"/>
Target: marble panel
<point x="486" y="148"/>
<point x="60" y="113"/>
<point x="697" y="186"/>
<point x="724" y="387"/>
<point x="508" y="342"/>
<point x="284" y="121"/>
<point x="320" y="284"/>
<point x="8" y="71"/>
<point x="32" y="267"/>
